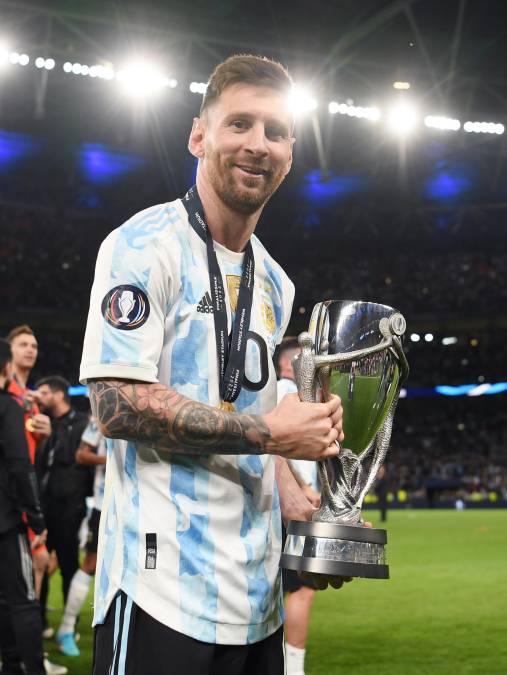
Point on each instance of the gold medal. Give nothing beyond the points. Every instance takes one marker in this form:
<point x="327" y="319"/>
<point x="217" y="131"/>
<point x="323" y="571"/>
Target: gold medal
<point x="227" y="406"/>
<point x="29" y="425"/>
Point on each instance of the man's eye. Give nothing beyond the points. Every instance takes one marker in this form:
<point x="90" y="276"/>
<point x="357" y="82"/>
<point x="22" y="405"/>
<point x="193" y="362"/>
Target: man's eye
<point x="275" y="132"/>
<point x="239" y="124"/>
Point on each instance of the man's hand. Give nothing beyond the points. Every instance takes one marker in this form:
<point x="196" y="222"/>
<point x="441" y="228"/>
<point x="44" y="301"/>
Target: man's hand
<point x="293" y="503"/>
<point x="41" y="424"/>
<point x="312" y="495"/>
<point x="305" y="430"/>
<point x="322" y="581"/>
<point x="38" y="540"/>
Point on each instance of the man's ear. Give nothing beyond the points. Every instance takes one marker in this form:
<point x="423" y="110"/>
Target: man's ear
<point x="196" y="138"/>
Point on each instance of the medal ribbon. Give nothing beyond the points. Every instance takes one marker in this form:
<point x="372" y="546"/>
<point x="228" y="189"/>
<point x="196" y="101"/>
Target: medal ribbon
<point x="231" y="360"/>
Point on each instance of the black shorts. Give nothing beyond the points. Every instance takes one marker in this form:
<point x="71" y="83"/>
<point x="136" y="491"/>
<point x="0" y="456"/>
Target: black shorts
<point x="144" y="646"/>
<point x="92" y="540"/>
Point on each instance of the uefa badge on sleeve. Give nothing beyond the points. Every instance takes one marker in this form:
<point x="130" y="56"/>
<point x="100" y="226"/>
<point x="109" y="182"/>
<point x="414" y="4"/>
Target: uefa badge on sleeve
<point x="126" y="307"/>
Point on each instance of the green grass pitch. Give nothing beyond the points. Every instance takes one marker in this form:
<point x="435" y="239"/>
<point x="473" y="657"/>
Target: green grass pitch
<point x="443" y="612"/>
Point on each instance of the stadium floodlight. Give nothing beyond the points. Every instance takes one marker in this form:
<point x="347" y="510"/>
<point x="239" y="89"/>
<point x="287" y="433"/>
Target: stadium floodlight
<point x="143" y="79"/>
<point x="301" y="101"/>
<point x="402" y="118"/>
<point x="429" y="337"/>
<point x="76" y="68"/>
<point x="368" y="113"/>
<point x="400" y="85"/>
<point x="67" y="67"/>
<point x="484" y="127"/>
<point x="415" y="337"/>
<point x="198" y="87"/>
<point x="449" y="340"/>
<point x="443" y="123"/>
<point x="39" y="62"/>
<point x="49" y="64"/>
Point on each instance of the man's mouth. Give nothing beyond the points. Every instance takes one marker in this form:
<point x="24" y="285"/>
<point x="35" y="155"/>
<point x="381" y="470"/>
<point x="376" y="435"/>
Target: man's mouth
<point x="251" y="170"/>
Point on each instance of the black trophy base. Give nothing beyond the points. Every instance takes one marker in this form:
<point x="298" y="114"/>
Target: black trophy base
<point x="335" y="550"/>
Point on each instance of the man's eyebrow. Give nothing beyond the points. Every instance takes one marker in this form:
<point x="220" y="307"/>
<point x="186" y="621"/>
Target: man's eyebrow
<point x="238" y="114"/>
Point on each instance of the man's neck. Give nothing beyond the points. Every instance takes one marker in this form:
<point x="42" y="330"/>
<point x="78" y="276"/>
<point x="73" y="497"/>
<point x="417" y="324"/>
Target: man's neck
<point x="21" y="375"/>
<point x="61" y="410"/>
<point x="227" y="227"/>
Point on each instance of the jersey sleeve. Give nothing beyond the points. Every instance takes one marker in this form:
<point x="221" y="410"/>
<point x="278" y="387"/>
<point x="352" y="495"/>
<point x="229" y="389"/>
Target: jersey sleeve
<point x="287" y="302"/>
<point x="131" y="294"/>
<point x="91" y="435"/>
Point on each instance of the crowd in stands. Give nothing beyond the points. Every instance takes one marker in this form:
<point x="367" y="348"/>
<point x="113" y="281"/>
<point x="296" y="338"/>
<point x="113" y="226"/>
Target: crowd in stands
<point x="47" y="258"/>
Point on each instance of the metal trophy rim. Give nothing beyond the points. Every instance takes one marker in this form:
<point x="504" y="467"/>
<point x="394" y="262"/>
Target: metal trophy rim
<point x="328" y="530"/>
<point x="334" y="568"/>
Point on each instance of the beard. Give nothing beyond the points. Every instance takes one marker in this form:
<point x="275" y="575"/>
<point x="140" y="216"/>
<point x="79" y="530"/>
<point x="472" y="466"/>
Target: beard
<point x="245" y="197"/>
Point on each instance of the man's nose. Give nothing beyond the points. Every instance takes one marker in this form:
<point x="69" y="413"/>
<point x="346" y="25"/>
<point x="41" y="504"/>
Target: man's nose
<point x="256" y="140"/>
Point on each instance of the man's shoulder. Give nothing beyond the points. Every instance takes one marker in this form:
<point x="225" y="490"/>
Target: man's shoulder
<point x="153" y="224"/>
<point x="271" y="267"/>
<point x="8" y="405"/>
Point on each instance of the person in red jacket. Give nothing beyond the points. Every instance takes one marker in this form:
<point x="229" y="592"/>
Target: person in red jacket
<point x="37" y="426"/>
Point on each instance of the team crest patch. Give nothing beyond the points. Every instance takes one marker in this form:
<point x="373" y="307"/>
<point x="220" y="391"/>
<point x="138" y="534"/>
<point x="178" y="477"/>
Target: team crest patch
<point x="233" y="284"/>
<point x="126" y="307"/>
<point x="268" y="316"/>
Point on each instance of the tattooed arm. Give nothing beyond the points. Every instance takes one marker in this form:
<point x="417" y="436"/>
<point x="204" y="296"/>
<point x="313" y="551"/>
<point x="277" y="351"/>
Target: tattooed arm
<point x="160" y="417"/>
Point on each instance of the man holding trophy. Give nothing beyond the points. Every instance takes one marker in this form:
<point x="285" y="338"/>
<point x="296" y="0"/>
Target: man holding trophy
<point x="186" y="310"/>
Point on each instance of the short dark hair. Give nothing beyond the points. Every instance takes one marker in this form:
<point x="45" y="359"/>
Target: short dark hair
<point x="248" y="69"/>
<point x="5" y="353"/>
<point x="24" y="329"/>
<point x="287" y="343"/>
<point x="56" y="383"/>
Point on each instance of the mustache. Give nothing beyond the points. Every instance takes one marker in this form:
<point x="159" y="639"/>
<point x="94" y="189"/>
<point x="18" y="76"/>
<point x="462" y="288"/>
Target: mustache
<point x="250" y="162"/>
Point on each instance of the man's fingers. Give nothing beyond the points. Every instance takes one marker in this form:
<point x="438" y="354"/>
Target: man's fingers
<point x="332" y="405"/>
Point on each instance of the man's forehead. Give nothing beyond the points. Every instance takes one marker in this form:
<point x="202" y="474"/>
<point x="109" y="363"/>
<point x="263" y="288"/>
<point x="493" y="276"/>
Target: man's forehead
<point x="240" y="96"/>
<point x="25" y="337"/>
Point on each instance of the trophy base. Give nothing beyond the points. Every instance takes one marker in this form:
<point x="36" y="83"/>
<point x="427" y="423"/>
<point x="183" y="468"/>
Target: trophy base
<point x="335" y="550"/>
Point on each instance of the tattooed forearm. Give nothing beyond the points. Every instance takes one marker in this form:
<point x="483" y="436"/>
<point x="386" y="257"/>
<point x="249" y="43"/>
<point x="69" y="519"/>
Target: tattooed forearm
<point x="159" y="416"/>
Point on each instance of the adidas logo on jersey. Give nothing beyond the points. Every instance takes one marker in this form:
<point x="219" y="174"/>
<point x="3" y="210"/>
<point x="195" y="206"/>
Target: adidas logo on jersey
<point x="205" y="306"/>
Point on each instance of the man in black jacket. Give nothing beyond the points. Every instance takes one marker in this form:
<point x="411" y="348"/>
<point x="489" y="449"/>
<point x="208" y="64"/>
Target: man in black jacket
<point x="19" y="617"/>
<point x="64" y="483"/>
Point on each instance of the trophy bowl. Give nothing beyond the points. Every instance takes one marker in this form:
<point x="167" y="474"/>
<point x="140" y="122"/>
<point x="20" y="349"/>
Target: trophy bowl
<point x="353" y="349"/>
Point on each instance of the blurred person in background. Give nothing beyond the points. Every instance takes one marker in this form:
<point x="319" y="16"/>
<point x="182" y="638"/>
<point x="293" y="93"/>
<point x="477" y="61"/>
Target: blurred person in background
<point x="37" y="426"/>
<point x="299" y="593"/>
<point x="20" y="621"/>
<point x="64" y="483"/>
<point x="92" y="453"/>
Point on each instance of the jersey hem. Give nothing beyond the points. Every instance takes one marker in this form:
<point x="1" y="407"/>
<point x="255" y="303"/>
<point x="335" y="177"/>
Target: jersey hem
<point x="230" y="633"/>
<point x="142" y="373"/>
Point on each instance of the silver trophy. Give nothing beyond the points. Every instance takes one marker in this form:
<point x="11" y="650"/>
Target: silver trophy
<point x="352" y="349"/>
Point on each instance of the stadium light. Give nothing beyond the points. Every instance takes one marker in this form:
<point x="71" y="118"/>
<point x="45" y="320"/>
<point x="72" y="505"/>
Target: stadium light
<point x="198" y="87"/>
<point x="484" y="127"/>
<point x="18" y="59"/>
<point x="402" y="118"/>
<point x="400" y="85"/>
<point x="301" y="101"/>
<point x="143" y="79"/>
<point x="415" y="337"/>
<point x="429" y="337"/>
<point x="369" y="113"/>
<point x="443" y="123"/>
<point x="449" y="340"/>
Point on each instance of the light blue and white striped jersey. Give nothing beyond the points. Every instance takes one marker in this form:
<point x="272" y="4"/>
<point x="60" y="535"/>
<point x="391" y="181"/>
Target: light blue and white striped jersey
<point x="193" y="540"/>
<point x="92" y="436"/>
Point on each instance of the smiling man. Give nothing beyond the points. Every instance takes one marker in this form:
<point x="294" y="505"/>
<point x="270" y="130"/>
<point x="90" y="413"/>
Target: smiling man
<point x="186" y="310"/>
